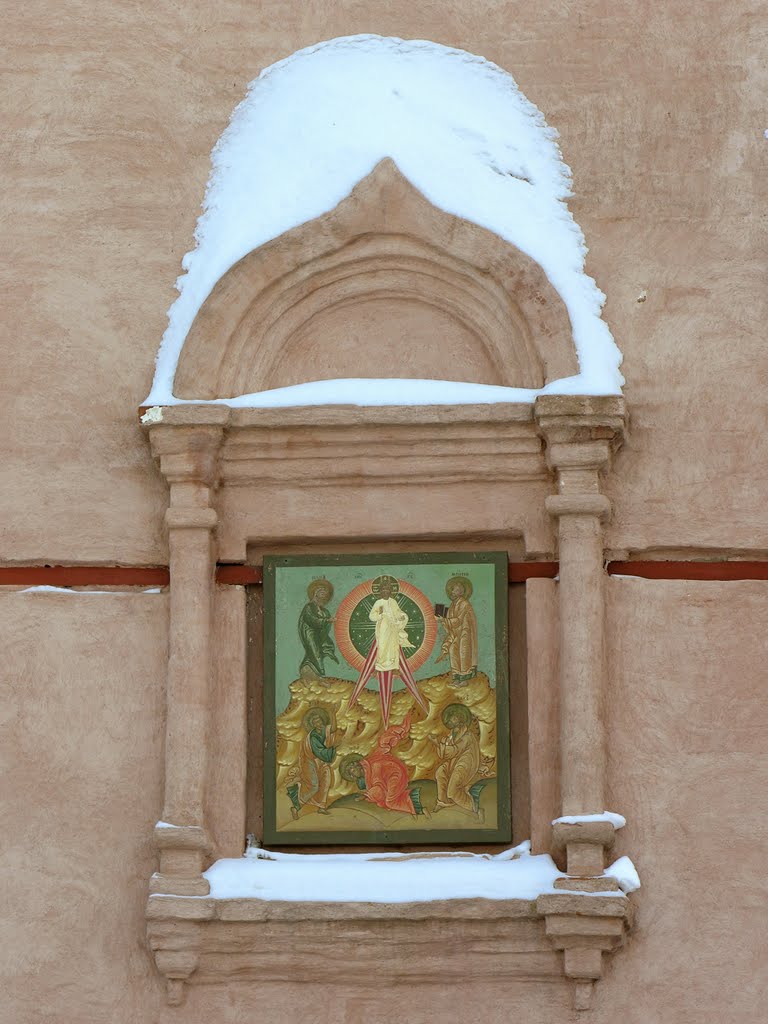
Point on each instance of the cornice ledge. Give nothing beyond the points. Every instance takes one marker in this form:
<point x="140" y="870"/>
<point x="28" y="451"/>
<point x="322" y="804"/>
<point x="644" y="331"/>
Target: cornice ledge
<point x="209" y="415"/>
<point x="361" y="415"/>
<point x="210" y="939"/>
<point x="188" y="414"/>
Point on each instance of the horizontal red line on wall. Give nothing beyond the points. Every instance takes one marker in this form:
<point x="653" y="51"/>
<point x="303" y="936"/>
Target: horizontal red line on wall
<point x="251" y="575"/>
<point x="690" y="570"/>
<point x="519" y="572"/>
<point x="239" y="575"/>
<point x="84" y="575"/>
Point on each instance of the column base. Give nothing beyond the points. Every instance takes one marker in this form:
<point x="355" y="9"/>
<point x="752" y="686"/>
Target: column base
<point x="589" y="883"/>
<point x="178" y="885"/>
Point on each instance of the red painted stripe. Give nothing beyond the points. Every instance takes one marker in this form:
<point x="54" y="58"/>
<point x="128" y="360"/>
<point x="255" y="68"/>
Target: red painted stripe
<point x="519" y="572"/>
<point x="251" y="575"/>
<point x="239" y="575"/>
<point x="84" y="576"/>
<point x="684" y="570"/>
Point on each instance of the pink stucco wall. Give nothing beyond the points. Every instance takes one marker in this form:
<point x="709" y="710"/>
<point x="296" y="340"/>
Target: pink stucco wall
<point x="112" y="111"/>
<point x="113" y="115"/>
<point x="82" y="745"/>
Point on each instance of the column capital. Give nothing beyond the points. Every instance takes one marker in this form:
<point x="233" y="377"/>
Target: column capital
<point x="190" y="518"/>
<point x="581" y="431"/>
<point x="187" y="453"/>
<point x="559" y="505"/>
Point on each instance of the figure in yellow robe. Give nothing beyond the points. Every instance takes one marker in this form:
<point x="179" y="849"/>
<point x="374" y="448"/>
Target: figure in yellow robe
<point x="460" y="622"/>
<point x="459" y="759"/>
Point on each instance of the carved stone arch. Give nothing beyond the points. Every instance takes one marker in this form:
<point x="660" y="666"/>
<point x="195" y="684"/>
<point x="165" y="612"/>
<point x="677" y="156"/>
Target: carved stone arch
<point x="385" y="285"/>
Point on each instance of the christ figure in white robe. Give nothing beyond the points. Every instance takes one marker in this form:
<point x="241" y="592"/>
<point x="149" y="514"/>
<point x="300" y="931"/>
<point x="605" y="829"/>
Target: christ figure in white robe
<point x="385" y="656"/>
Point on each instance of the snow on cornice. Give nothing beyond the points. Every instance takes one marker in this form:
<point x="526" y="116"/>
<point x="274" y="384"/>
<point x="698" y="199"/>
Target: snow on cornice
<point x="315" y="124"/>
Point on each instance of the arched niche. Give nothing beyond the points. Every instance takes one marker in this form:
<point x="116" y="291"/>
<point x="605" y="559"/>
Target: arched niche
<point x="385" y="285"/>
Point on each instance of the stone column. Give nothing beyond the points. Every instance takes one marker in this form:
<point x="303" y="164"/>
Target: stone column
<point x="581" y="435"/>
<point x="189" y="462"/>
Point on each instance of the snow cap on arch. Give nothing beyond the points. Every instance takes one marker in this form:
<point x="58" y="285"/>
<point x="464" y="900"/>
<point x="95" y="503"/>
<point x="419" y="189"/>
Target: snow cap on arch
<point x="458" y="128"/>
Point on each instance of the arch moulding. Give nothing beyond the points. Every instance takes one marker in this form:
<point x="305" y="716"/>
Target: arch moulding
<point x="385" y="285"/>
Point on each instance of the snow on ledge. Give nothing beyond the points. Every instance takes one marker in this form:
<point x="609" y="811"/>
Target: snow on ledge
<point x="617" y="820"/>
<point x="625" y="873"/>
<point x="383" y="877"/>
<point x="369" y="391"/>
<point x="315" y="124"/>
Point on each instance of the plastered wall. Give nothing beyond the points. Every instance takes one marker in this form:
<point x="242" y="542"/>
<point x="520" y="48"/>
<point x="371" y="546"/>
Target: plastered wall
<point x="112" y="113"/>
<point x="82" y="752"/>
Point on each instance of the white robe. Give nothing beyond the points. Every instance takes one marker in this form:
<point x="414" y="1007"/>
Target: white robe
<point x="390" y="621"/>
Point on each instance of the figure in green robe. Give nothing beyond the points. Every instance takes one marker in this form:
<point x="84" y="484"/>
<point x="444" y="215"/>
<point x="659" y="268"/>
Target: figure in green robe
<point x="315" y="624"/>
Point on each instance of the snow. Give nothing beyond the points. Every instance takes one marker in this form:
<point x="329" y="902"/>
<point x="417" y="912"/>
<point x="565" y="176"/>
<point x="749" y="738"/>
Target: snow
<point x="153" y="415"/>
<point x="359" y="391"/>
<point x="313" y="125"/>
<point x="383" y="877"/>
<point x="617" y="820"/>
<point x="394" y="877"/>
<point x="625" y="873"/>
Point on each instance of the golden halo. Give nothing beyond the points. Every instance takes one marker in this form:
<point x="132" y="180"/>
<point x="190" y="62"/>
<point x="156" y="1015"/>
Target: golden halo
<point x="316" y="710"/>
<point x="464" y="581"/>
<point x="461" y="710"/>
<point x="377" y="584"/>
<point x="315" y="585"/>
<point x="350" y="601"/>
<point x="344" y="765"/>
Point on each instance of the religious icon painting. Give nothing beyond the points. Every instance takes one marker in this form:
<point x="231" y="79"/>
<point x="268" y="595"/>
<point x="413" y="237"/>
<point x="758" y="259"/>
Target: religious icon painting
<point x="386" y="708"/>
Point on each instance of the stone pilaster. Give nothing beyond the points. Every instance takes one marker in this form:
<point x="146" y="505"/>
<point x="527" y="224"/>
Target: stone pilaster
<point x="581" y="434"/>
<point x="188" y="458"/>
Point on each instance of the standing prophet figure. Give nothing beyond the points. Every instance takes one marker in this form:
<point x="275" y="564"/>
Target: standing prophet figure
<point x="460" y="622"/>
<point x="315" y="624"/>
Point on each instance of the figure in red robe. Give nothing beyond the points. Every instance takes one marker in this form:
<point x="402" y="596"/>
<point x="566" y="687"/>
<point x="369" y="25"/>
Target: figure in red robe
<point x="381" y="776"/>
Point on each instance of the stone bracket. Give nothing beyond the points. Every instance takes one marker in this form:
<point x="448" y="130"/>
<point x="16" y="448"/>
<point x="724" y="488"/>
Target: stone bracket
<point x="584" y="927"/>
